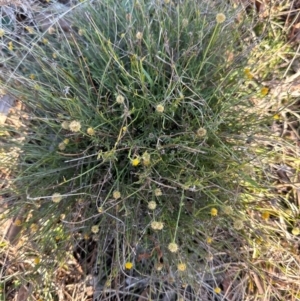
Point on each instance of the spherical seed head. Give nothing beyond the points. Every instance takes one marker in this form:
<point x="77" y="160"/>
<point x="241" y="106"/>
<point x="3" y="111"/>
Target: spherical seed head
<point x="81" y="32"/>
<point x="90" y="131"/>
<point x="173" y="247"/>
<point x="17" y="222"/>
<point x="51" y="30"/>
<point x="152" y="205"/>
<point x="217" y="290"/>
<point x="185" y="22"/>
<point x="120" y="99"/>
<point x="157" y="192"/>
<point x="181" y="267"/>
<point x="214" y="211"/>
<point x="160" y="108"/>
<point x="139" y="35"/>
<point x="220" y="18"/>
<point x="75" y="126"/>
<point x="201" y="132"/>
<point x="154" y="225"/>
<point x="116" y="194"/>
<point x="228" y="210"/>
<point x="95" y="229"/>
<point x="160" y="225"/>
<point x="128" y="265"/>
<point x="238" y="225"/>
<point x="61" y="146"/>
<point x="65" y="125"/>
<point x="56" y="197"/>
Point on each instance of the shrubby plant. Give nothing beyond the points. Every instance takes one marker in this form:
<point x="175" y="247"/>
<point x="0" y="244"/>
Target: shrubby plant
<point x="136" y="133"/>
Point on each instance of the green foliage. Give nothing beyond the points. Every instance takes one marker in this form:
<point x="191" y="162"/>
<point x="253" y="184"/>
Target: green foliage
<point x="139" y="102"/>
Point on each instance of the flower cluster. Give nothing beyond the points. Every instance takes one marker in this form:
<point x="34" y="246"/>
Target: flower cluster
<point x="157" y="225"/>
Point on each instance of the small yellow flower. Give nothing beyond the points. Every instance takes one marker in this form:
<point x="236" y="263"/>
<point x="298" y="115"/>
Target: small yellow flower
<point x="17" y="222"/>
<point x="265" y="215"/>
<point x="32" y="76"/>
<point x="124" y="129"/>
<point x="100" y="209"/>
<point x="214" y="212"/>
<point x="152" y="205"/>
<point x="160" y="108"/>
<point x="56" y="197"/>
<point x="276" y="117"/>
<point x="128" y="265"/>
<point x="34" y="227"/>
<point x="116" y="194"/>
<point x="296" y="231"/>
<point x="120" y="99"/>
<point x="54" y="55"/>
<point x="29" y="29"/>
<point x="139" y="35"/>
<point x="217" y="290"/>
<point x="248" y="73"/>
<point x="136" y="161"/>
<point x="10" y="46"/>
<point x="36" y="260"/>
<point x="61" y="146"/>
<point x="173" y="247"/>
<point x="75" y="126"/>
<point x="90" y="131"/>
<point x="95" y="229"/>
<point x="181" y="267"/>
<point x="45" y="41"/>
<point x="238" y="225"/>
<point x="37" y="87"/>
<point x="157" y="192"/>
<point x="2" y="32"/>
<point x="66" y="141"/>
<point x="209" y="240"/>
<point x="264" y="91"/>
<point x="65" y="125"/>
<point x="220" y="18"/>
<point x="201" y="132"/>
